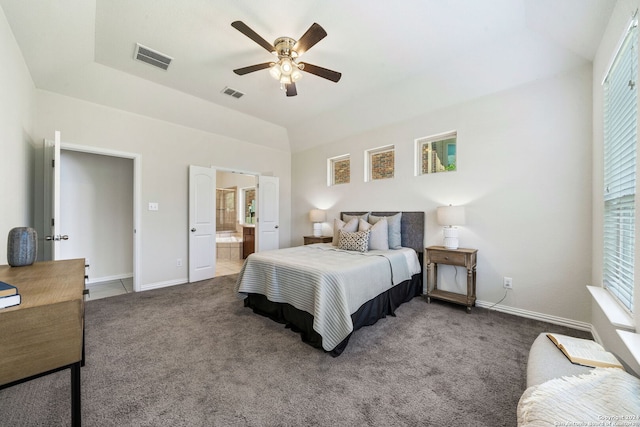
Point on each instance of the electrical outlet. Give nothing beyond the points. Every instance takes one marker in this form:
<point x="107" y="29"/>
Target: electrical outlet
<point x="507" y="282"/>
<point x="179" y="262"/>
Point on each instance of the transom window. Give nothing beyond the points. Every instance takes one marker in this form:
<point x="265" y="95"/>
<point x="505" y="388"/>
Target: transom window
<point x="436" y="153"/>
<point x="339" y="170"/>
<point x="380" y="163"/>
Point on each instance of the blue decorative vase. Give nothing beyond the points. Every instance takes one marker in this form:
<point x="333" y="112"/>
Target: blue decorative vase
<point x="22" y="246"/>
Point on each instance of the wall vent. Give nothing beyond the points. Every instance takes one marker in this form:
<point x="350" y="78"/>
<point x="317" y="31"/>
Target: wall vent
<point x="152" y="57"/>
<point x="232" y="92"/>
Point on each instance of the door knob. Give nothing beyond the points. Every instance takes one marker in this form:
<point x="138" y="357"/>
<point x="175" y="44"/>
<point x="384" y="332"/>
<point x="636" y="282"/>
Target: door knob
<point x="193" y="230"/>
<point x="276" y="226"/>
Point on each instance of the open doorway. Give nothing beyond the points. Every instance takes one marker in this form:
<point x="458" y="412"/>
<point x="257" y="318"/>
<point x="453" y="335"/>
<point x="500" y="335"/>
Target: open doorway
<point x="96" y="211"/>
<point x="235" y="220"/>
<point x="206" y="247"/>
<point x="92" y="206"/>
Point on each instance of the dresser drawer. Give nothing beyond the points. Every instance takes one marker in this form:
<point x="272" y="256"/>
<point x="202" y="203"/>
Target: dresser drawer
<point x="448" y="257"/>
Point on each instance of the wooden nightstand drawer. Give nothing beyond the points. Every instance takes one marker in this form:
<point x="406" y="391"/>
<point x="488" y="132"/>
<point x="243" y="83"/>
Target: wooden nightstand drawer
<point x="308" y="240"/>
<point x="448" y="257"/>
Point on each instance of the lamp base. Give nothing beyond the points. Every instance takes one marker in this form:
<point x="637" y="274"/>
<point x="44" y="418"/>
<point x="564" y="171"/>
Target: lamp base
<point x="450" y="237"/>
<point x="317" y="229"/>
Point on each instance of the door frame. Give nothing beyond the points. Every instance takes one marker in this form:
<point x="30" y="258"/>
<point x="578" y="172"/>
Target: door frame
<point x="137" y="194"/>
<point x="256" y="175"/>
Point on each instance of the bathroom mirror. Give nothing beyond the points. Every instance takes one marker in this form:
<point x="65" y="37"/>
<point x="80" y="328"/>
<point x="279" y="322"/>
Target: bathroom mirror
<point x="226" y="209"/>
<point x="436" y="154"/>
<point x="249" y="197"/>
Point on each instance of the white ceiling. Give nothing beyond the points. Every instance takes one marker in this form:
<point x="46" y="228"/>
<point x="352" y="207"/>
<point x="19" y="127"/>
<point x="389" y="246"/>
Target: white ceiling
<point x="397" y="60"/>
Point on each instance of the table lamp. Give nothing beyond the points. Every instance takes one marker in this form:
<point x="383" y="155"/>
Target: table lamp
<point x="317" y="216"/>
<point x="450" y="216"/>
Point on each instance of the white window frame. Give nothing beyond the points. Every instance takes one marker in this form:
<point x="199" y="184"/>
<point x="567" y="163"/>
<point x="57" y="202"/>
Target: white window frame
<point x="420" y="142"/>
<point x="368" y="172"/>
<point x="620" y="170"/>
<point x="331" y="176"/>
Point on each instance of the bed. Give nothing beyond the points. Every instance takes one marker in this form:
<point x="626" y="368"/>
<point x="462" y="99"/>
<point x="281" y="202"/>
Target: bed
<point x="326" y="293"/>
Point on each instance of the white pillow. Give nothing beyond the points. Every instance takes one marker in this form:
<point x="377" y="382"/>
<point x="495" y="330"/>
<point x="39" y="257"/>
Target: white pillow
<point x="395" y="235"/>
<point x="357" y="241"/>
<point x="338" y="225"/>
<point x="379" y="237"/>
<point x="347" y="217"/>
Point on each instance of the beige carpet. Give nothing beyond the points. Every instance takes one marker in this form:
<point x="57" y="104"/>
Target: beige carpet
<point x="192" y="355"/>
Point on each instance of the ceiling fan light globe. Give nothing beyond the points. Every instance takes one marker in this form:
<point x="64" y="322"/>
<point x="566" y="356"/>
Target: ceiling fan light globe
<point x="286" y="66"/>
<point x="296" y="75"/>
<point x="275" y="72"/>
<point x="285" y="80"/>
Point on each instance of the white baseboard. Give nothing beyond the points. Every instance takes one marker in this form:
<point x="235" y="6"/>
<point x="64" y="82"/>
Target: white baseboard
<point x="94" y="280"/>
<point x="583" y="326"/>
<point x="159" y="285"/>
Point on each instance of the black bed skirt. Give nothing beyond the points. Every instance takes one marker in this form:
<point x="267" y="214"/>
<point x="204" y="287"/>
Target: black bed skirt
<point x="369" y="313"/>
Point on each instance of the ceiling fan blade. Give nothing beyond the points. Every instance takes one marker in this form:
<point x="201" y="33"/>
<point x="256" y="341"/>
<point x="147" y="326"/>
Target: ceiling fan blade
<point x="252" y="68"/>
<point x="314" y="34"/>
<point x="244" y="29"/>
<point x="291" y="89"/>
<point x="325" y="73"/>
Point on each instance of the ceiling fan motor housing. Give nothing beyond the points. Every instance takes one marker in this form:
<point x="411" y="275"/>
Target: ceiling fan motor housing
<point x="284" y="47"/>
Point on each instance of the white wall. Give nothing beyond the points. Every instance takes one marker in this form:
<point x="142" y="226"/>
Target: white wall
<point x="524" y="175"/>
<point x="96" y="212"/>
<point x="229" y="179"/>
<point x="16" y="148"/>
<point x="615" y="31"/>
<point x="166" y="152"/>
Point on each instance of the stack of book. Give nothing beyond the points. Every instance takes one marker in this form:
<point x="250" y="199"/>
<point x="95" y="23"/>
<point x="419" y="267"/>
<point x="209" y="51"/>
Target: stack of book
<point x="9" y="295"/>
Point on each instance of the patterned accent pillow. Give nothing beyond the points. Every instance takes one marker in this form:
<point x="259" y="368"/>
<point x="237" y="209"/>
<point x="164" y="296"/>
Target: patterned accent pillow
<point x="357" y="241"/>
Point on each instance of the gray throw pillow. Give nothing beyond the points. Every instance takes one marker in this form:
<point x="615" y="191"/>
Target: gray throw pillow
<point x="395" y="236"/>
<point x="347" y="218"/>
<point x="338" y="225"/>
<point x="379" y="237"/>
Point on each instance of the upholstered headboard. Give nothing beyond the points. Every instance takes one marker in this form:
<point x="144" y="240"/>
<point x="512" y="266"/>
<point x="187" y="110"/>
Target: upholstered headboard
<point x="411" y="228"/>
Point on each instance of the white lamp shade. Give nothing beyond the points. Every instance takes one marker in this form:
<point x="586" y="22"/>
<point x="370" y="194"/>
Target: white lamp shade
<point x="451" y="215"/>
<point x="317" y="215"/>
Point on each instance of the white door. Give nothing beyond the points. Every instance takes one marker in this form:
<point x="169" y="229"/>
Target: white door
<point x="202" y="223"/>
<point x="268" y="233"/>
<point x="52" y="238"/>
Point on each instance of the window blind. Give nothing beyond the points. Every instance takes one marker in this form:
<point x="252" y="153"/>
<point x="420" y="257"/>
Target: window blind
<point x="620" y="139"/>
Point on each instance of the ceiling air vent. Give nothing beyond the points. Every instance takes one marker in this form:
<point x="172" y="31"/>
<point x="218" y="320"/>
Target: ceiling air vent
<point x="232" y="92"/>
<point x="152" y="57"/>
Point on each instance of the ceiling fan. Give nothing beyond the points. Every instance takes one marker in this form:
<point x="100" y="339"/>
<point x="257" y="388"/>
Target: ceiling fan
<point x="287" y="69"/>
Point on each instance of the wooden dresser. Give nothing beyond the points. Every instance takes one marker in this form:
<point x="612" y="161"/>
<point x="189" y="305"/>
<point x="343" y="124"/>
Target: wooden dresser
<point x="44" y="334"/>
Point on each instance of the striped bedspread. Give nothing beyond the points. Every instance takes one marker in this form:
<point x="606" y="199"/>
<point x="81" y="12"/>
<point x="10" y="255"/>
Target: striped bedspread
<point x="326" y="282"/>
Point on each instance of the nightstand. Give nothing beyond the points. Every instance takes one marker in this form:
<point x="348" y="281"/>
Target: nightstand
<point x="313" y="239"/>
<point x="461" y="257"/>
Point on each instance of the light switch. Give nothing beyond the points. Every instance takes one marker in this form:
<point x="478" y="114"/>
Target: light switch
<point x="153" y="206"/>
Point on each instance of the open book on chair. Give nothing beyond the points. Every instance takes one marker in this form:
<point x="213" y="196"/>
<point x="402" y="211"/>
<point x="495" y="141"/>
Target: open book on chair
<point x="585" y="352"/>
